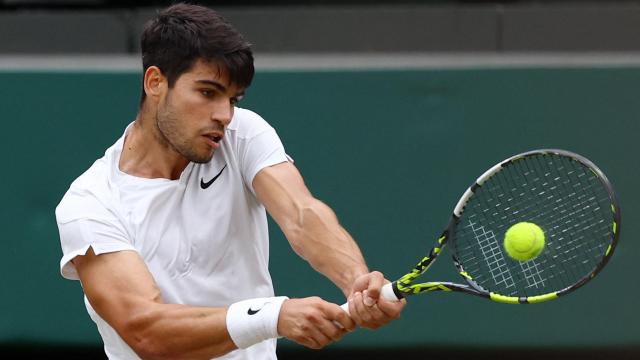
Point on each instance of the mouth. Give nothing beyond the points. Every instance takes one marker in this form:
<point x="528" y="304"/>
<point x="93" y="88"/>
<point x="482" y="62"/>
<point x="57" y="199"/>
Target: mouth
<point x="213" y="139"/>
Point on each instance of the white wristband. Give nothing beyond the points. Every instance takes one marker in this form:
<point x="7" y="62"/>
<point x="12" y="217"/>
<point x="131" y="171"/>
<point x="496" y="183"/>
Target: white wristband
<point x="254" y="320"/>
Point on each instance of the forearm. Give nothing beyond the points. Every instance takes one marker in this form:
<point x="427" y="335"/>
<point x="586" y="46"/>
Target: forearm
<point x="311" y="227"/>
<point x="168" y="331"/>
<point x="123" y="292"/>
<point x="312" y="322"/>
<point x="317" y="236"/>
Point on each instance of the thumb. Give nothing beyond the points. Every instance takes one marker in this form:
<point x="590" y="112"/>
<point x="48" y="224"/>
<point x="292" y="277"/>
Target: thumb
<point x="368" y="299"/>
<point x="372" y="293"/>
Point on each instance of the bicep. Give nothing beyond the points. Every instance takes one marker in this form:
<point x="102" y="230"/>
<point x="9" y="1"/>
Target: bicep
<point x="118" y="285"/>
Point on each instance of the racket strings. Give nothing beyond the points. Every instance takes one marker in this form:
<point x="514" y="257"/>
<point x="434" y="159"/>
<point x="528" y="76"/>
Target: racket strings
<point x="574" y="217"/>
<point x="559" y="194"/>
<point x="567" y="211"/>
<point x="554" y="203"/>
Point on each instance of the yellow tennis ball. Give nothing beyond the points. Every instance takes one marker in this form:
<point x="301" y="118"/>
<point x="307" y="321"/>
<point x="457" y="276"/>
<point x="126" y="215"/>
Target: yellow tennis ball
<point x="524" y="241"/>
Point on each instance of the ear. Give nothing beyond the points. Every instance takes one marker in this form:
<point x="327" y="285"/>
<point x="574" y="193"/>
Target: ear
<point x="155" y="83"/>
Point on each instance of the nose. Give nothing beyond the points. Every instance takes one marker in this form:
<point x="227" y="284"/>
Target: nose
<point x="222" y="111"/>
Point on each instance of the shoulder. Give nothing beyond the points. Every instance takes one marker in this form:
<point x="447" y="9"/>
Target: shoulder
<point x="91" y="195"/>
<point x="87" y="196"/>
<point x="247" y="124"/>
<point x="94" y="175"/>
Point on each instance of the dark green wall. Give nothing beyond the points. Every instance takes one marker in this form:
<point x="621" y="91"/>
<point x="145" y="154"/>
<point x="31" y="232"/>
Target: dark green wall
<point x="390" y="151"/>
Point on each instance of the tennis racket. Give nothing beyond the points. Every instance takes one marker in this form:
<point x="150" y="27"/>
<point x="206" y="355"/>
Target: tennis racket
<point x="563" y="193"/>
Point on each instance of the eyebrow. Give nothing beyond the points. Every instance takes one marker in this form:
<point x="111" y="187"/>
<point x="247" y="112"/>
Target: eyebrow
<point x="213" y="83"/>
<point x="218" y="86"/>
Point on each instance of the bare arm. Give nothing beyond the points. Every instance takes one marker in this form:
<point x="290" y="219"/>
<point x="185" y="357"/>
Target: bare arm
<point x="311" y="227"/>
<point x="316" y="235"/>
<point x="123" y="292"/>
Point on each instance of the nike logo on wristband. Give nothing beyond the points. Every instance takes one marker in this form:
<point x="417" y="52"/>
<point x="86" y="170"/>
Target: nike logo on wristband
<point x="253" y="312"/>
<point x="205" y="185"/>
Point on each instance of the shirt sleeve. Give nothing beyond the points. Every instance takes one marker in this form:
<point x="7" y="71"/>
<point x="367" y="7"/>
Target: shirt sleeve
<point x="260" y="151"/>
<point x="77" y="236"/>
<point x="95" y="227"/>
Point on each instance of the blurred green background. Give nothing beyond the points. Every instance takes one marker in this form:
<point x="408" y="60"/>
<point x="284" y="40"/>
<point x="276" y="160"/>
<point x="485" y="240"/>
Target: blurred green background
<point x="390" y="150"/>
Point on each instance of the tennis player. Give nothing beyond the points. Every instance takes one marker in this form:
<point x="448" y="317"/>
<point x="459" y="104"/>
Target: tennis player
<point x="167" y="232"/>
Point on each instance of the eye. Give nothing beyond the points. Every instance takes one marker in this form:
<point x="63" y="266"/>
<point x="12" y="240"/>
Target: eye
<point x="207" y="93"/>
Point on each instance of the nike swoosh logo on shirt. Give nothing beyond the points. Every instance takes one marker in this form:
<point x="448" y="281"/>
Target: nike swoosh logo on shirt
<point x="206" y="184"/>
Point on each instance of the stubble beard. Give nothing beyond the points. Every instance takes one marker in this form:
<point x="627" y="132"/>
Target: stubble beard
<point x="168" y="125"/>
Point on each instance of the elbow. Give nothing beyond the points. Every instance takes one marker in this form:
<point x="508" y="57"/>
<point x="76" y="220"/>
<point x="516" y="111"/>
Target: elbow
<point x="139" y="335"/>
<point x="150" y="342"/>
<point x="149" y="349"/>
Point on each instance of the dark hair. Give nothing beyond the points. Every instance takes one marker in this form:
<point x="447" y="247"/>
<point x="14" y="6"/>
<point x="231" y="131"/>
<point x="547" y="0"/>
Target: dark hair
<point x="183" y="33"/>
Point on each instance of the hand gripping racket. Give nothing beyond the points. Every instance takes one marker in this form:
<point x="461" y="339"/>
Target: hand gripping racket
<point x="565" y="194"/>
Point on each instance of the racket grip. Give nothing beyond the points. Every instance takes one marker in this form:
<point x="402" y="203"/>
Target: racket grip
<point x="386" y="293"/>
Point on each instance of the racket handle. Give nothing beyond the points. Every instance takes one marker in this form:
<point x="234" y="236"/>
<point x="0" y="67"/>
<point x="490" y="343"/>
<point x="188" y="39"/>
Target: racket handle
<point x="386" y="293"/>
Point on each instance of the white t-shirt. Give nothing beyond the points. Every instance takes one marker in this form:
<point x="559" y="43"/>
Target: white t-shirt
<point x="204" y="237"/>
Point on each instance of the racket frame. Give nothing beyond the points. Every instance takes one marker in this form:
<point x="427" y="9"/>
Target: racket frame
<point x="405" y="285"/>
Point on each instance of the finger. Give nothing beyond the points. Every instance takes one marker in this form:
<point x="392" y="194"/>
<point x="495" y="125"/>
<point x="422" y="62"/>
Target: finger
<point x="318" y="338"/>
<point x="307" y="335"/>
<point x="376" y="316"/>
<point x="341" y="319"/>
<point x="332" y="330"/>
<point x="376" y="280"/>
<point x="322" y="325"/>
<point x="327" y="324"/>
<point x="391" y="309"/>
<point x="369" y="316"/>
<point x="310" y="342"/>
<point x="359" y="312"/>
<point x="353" y="311"/>
<point x="368" y="299"/>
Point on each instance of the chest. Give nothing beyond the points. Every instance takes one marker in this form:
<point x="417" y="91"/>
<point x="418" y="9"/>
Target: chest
<point x="176" y="225"/>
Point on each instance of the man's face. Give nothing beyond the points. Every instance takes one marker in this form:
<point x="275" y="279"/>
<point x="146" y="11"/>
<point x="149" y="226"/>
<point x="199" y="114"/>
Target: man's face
<point x="193" y="115"/>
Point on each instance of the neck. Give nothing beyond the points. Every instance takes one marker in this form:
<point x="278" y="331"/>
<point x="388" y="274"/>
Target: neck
<point x="147" y="154"/>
